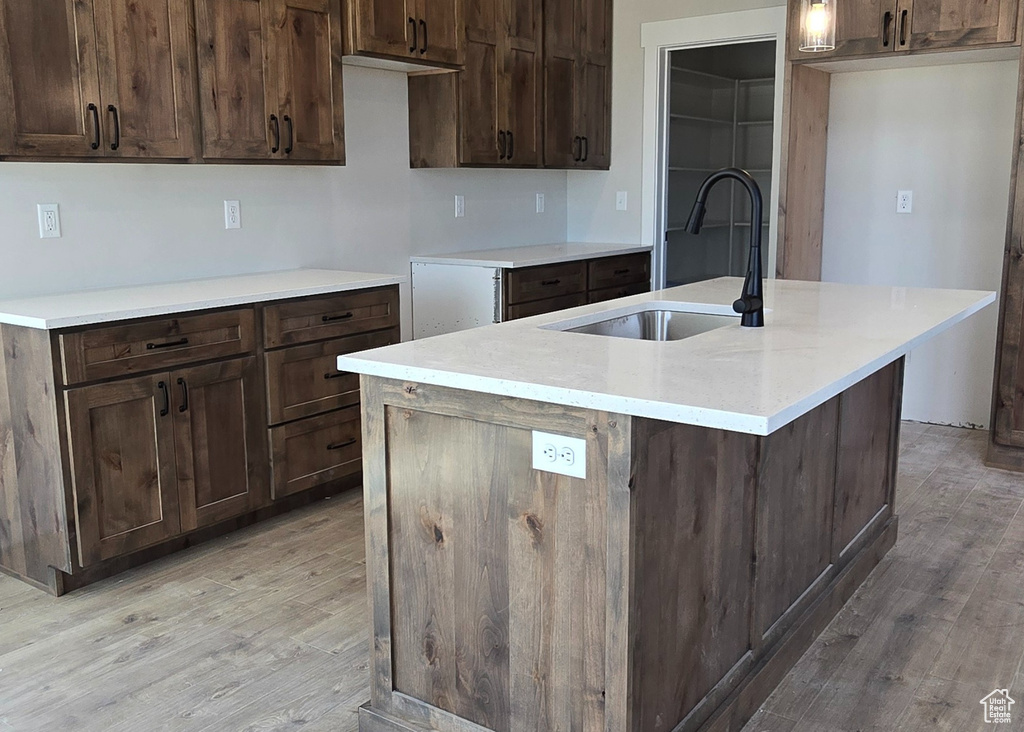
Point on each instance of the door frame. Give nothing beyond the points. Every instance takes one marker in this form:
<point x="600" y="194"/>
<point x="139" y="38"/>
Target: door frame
<point x="659" y="40"/>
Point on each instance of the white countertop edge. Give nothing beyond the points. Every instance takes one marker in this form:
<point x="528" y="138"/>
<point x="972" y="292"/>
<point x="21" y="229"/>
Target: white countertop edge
<point x="751" y="424"/>
<point x="479" y="259"/>
<point x="168" y="308"/>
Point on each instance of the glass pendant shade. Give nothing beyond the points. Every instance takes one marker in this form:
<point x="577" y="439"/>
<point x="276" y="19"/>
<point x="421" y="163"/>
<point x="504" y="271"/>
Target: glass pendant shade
<point x="817" y="25"/>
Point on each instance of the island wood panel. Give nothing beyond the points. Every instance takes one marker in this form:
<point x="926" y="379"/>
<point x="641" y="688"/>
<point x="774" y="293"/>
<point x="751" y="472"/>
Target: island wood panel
<point x="693" y="514"/>
<point x="33" y="515"/>
<point x="795" y="499"/>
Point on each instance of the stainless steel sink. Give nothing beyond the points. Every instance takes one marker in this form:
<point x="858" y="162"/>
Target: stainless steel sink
<point x="655" y="325"/>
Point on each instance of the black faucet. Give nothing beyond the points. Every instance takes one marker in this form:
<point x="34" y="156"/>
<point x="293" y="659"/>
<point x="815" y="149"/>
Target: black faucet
<point x="751" y="303"/>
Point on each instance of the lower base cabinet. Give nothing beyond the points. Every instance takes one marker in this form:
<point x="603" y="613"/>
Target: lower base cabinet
<point x="315" y="451"/>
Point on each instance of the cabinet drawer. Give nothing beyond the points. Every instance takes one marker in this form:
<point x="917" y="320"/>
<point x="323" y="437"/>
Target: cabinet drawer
<point x="542" y="307"/>
<point x="303" y="381"/>
<point x="614" y="293"/>
<point x="319" y="318"/>
<point x="123" y="350"/>
<point x="618" y="271"/>
<point x="315" y="451"/>
<point x="544" y="283"/>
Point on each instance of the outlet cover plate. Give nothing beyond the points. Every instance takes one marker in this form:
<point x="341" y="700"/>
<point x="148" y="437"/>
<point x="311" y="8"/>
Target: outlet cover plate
<point x="232" y="215"/>
<point x="49" y="220"/>
<point x="905" y="202"/>
<point x="543" y="446"/>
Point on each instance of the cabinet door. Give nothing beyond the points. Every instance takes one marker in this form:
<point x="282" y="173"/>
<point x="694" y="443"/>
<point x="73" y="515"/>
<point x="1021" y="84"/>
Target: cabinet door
<point x="863" y="27"/>
<point x="480" y="88"/>
<point x="522" y="80"/>
<point x="121" y="440"/>
<point x="382" y="27"/>
<point x="147" y="77"/>
<point x="561" y="72"/>
<point x="305" y="56"/>
<point x="234" y="86"/>
<point x="956" y="23"/>
<point x="593" y="105"/>
<point x="440" y="31"/>
<point x="220" y="442"/>
<point x="49" y="88"/>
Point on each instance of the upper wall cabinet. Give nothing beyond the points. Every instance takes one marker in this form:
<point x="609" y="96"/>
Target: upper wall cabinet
<point x="577" y="96"/>
<point x="424" y="32"/>
<point x="97" y="78"/>
<point x="270" y="80"/>
<point x="870" y="27"/>
<point x="496" y="100"/>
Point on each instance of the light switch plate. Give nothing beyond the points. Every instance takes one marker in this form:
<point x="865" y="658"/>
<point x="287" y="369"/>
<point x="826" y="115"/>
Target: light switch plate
<point x="540" y="203"/>
<point x="460" y="207"/>
<point x="49" y="220"/>
<point x="560" y="454"/>
<point x="621" y="201"/>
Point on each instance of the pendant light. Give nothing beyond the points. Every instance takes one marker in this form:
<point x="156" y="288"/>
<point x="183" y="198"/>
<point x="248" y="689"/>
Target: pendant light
<point x="817" y="25"/>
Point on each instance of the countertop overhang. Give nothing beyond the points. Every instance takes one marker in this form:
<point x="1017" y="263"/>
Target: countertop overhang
<point x="820" y="339"/>
<point x="92" y="307"/>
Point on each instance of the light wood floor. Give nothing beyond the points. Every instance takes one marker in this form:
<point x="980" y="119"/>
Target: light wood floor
<point x="266" y="629"/>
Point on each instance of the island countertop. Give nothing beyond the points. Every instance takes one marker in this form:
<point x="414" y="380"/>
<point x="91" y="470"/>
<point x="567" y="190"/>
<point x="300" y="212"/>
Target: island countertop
<point x="820" y="339"/>
<point x="90" y="307"/>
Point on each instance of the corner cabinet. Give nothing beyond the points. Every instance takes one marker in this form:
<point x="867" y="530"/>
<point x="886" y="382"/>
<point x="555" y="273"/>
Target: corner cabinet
<point x="270" y="80"/>
<point x="422" y="32"/>
<point x="870" y="27"/>
<point x="90" y="79"/>
<point x="150" y="435"/>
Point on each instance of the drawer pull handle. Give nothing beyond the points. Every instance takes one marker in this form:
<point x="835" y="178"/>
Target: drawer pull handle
<point x="550" y="283"/>
<point x="622" y="271"/>
<point x="162" y="386"/>
<point x="95" y="112"/>
<point x="342" y="445"/>
<point x="336" y="318"/>
<point x="173" y="344"/>
<point x="184" y="395"/>
<point x="117" y="127"/>
<point x="338" y="375"/>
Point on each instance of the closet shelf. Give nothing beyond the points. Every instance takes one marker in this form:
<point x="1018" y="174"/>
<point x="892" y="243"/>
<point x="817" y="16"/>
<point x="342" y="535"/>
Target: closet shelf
<point x="705" y="120"/>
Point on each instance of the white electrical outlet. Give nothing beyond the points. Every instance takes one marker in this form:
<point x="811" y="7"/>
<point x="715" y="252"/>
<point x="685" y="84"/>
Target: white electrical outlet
<point x="621" y="201"/>
<point x="232" y="215"/>
<point x="49" y="220"/>
<point x="560" y="454"/>
<point x="460" y="207"/>
<point x="905" y="202"/>
<point x="540" y="203"/>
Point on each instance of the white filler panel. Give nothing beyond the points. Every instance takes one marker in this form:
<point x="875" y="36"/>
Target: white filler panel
<point x="448" y="298"/>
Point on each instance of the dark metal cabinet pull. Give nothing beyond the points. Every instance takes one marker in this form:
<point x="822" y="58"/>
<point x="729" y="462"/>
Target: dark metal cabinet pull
<point x="511" y="145"/>
<point x="291" y="135"/>
<point x="502" y="145"/>
<point x="95" y="112"/>
<point x="338" y="375"/>
<point x="184" y="395"/>
<point x="550" y="283"/>
<point x="577" y="149"/>
<point x="586" y="150"/>
<point x="174" y="344"/>
<point x="162" y="386"/>
<point x="415" y="38"/>
<point x="886" y="22"/>
<point x="342" y="445"/>
<point x="336" y="318"/>
<point x="622" y="271"/>
<point x="116" y="143"/>
<point x="423" y="25"/>
<point x="277" y="134"/>
<point x="903" y="28"/>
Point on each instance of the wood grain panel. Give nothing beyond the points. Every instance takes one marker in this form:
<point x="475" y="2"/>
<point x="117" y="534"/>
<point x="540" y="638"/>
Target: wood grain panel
<point x="434" y="119"/>
<point x="331" y="316"/>
<point x="628" y="269"/>
<point x="542" y="307"/>
<point x="443" y="24"/>
<point x="315" y="451"/>
<point x="958" y="23"/>
<point x="123" y="350"/>
<point x="523" y="80"/>
<point x="561" y="72"/>
<point x="860" y="30"/>
<point x="380" y="27"/>
<point x="614" y="293"/>
<point x="693" y="512"/>
<point x="794" y="513"/>
<point x="545" y="282"/>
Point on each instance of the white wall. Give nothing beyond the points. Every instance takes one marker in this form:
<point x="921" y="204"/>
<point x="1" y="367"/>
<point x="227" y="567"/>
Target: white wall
<point x="128" y="224"/>
<point x="947" y="134"/>
<point x="592" y="215"/>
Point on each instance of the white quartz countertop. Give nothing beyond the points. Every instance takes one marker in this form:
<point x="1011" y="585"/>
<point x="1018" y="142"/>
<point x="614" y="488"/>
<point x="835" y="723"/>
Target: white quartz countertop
<point x="90" y="307"/>
<point x="532" y="256"/>
<point x="819" y="340"/>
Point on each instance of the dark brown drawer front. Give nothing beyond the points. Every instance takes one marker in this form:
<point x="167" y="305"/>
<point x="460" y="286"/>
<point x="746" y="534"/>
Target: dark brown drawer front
<point x="542" y="307"/>
<point x="333" y="316"/>
<point x="614" y="293"/>
<point x="544" y="283"/>
<point x="628" y="269"/>
<point x="304" y="381"/>
<point x="123" y="350"/>
<point x="315" y="451"/>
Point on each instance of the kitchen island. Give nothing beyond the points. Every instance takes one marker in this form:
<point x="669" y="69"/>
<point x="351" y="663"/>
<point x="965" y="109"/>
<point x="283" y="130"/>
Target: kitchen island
<point x="728" y="492"/>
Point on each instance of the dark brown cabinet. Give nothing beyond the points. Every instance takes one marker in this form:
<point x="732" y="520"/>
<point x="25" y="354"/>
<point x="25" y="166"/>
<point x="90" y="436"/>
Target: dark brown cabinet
<point x="870" y="27"/>
<point x="426" y="32"/>
<point x="577" y="96"/>
<point x="270" y="80"/>
<point x="97" y="78"/>
<point x="496" y="99"/>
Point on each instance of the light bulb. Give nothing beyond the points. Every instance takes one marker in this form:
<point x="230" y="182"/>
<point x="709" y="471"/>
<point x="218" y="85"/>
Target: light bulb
<point x="817" y="19"/>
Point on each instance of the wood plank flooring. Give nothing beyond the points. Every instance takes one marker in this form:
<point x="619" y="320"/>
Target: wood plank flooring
<point x="267" y="629"/>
